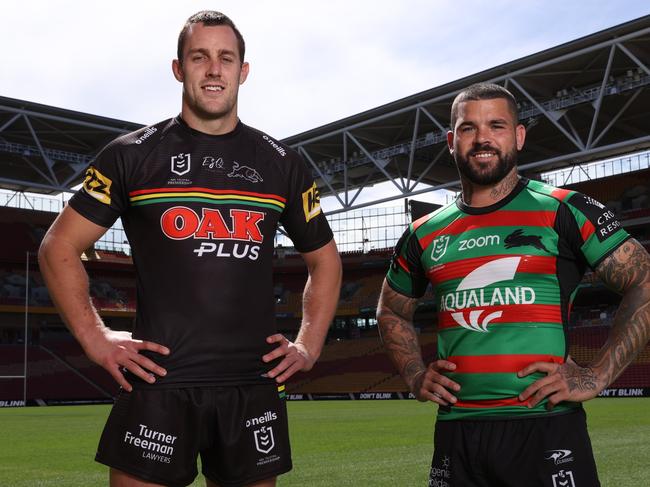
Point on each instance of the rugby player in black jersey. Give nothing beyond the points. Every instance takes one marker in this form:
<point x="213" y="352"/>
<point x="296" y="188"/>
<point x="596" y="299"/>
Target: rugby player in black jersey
<point x="508" y="393"/>
<point x="200" y="196"/>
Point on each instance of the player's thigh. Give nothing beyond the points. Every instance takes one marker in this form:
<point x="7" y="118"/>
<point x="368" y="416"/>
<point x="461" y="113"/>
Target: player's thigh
<point x="123" y="479"/>
<point x="261" y="483"/>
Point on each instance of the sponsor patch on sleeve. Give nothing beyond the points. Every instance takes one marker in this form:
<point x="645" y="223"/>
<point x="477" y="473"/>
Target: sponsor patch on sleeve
<point x="97" y="185"/>
<point x="604" y="220"/>
<point x="311" y="202"/>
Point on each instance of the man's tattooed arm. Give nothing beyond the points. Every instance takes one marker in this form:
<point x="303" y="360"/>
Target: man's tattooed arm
<point x="395" y="321"/>
<point x="626" y="271"/>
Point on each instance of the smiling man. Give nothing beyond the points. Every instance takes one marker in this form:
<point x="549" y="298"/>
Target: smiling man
<point x="505" y="261"/>
<point x="201" y="196"/>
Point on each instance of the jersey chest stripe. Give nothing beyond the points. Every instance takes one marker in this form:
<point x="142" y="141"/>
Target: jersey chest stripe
<point x="181" y="196"/>
<point x="532" y="264"/>
<point x="587" y="230"/>
<point x="274" y="207"/>
<point x="489" y="364"/>
<point x="491" y="403"/>
<point x="496" y="219"/>
<point x="206" y="190"/>
<point x="512" y="313"/>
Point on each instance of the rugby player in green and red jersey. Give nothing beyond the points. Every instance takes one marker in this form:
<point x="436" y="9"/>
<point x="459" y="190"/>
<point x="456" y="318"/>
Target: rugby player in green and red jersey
<point x="201" y="196"/>
<point x="504" y="262"/>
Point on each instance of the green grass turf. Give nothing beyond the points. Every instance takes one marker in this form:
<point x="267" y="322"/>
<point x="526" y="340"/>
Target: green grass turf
<point x="335" y="443"/>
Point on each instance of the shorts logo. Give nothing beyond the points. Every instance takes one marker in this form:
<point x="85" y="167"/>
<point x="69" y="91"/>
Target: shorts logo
<point x="439" y="247"/>
<point x="181" y="164"/>
<point x="311" y="202"/>
<point x="97" y="185"/>
<point x="563" y="479"/>
<point x="244" y="172"/>
<point x="264" y="441"/>
<point x="559" y="456"/>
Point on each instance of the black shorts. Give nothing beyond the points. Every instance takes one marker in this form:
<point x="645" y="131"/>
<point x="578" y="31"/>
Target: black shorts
<point x="241" y="433"/>
<point x="549" y="451"/>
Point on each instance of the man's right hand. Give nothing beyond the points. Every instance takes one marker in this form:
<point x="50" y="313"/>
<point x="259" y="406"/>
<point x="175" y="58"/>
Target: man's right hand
<point x="432" y="385"/>
<point x="116" y="350"/>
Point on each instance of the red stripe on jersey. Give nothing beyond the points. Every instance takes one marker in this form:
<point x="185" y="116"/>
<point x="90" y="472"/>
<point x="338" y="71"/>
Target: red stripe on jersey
<point x="587" y="230"/>
<point x="533" y="264"/>
<point x="495" y="364"/>
<point x="510" y="313"/>
<point x="206" y="190"/>
<point x="561" y="194"/>
<point x="402" y="263"/>
<point x="420" y="221"/>
<point x="491" y="403"/>
<point x="496" y="219"/>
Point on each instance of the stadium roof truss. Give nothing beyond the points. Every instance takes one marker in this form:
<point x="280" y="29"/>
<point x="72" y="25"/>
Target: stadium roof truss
<point x="581" y="101"/>
<point x="584" y="100"/>
<point x="45" y="149"/>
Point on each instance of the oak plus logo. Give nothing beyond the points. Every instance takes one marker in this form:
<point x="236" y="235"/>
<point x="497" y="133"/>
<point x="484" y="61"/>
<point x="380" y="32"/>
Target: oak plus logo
<point x="233" y="234"/>
<point x="471" y="293"/>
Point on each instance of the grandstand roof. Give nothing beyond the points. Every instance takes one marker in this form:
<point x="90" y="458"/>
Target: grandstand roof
<point x="582" y="100"/>
<point x="45" y="149"/>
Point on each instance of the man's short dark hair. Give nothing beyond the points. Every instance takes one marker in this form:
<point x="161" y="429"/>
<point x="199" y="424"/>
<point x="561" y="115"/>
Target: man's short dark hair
<point x="210" y="18"/>
<point x="484" y="91"/>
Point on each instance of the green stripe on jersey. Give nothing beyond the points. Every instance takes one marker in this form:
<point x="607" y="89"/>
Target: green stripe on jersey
<point x="525" y="338"/>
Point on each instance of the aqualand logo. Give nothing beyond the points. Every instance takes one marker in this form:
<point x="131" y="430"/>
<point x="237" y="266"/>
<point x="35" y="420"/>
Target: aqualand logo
<point x="471" y="293"/>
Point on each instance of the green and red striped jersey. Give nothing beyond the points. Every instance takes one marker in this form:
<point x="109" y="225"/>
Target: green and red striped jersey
<point x="504" y="278"/>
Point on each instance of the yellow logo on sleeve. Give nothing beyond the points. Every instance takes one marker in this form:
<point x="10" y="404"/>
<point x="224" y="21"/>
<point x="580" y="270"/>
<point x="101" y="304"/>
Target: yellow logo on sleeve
<point x="311" y="202"/>
<point x="97" y="185"/>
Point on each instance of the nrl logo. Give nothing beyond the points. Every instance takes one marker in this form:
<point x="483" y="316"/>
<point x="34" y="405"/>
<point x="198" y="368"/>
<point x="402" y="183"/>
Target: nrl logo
<point x="264" y="441"/>
<point x="181" y="164"/>
<point x="439" y="247"/>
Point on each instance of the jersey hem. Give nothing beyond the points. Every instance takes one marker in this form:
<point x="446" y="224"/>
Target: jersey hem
<point x="570" y="409"/>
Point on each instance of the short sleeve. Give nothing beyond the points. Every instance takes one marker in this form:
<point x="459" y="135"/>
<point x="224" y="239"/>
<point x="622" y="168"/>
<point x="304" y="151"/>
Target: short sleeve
<point x="101" y="198"/>
<point x="303" y="218"/>
<point x="406" y="274"/>
<point x="600" y="231"/>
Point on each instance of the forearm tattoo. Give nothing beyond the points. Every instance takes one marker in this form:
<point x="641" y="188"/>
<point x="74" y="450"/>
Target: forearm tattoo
<point x="395" y="322"/>
<point x="626" y="271"/>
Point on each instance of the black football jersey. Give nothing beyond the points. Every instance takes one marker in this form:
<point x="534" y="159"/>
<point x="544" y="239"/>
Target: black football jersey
<point x="201" y="213"/>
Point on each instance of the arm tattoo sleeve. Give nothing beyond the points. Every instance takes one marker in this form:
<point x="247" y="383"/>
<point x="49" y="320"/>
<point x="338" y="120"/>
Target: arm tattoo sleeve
<point x="395" y="321"/>
<point x="627" y="271"/>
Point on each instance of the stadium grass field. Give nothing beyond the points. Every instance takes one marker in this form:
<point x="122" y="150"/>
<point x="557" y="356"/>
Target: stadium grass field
<point x="335" y="443"/>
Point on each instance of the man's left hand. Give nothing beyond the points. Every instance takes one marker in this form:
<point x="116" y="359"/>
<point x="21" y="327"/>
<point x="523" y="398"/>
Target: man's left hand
<point x="296" y="357"/>
<point x="563" y="382"/>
